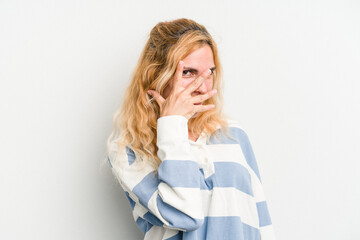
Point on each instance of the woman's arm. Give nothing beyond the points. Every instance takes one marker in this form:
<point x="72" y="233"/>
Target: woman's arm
<point x="172" y="197"/>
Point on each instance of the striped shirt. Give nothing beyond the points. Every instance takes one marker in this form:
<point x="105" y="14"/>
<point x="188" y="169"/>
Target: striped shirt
<point x="208" y="189"/>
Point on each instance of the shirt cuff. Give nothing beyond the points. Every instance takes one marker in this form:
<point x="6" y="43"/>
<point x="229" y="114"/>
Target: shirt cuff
<point x="172" y="128"/>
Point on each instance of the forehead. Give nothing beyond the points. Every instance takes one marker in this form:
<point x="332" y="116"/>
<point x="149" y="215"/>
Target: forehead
<point x="201" y="58"/>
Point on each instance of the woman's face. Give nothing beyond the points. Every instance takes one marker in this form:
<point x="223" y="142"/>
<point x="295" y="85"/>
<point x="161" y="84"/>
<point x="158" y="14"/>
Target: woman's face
<point x="196" y="63"/>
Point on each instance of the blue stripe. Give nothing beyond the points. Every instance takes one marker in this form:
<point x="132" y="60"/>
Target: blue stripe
<point x="143" y="225"/>
<point x="251" y="232"/>
<point x="224" y="228"/>
<point x="240" y="138"/>
<point x="231" y="174"/>
<point x="132" y="203"/>
<point x="146" y="188"/>
<point x="228" y="174"/>
<point x="178" y="236"/>
<point x="152" y="219"/>
<point x="263" y="212"/>
<point x="149" y="185"/>
<point x="131" y="155"/>
<point x="176" y="218"/>
<point x="180" y="173"/>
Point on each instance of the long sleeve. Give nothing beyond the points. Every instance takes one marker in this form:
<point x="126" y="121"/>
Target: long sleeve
<point x="171" y="198"/>
<point x="265" y="223"/>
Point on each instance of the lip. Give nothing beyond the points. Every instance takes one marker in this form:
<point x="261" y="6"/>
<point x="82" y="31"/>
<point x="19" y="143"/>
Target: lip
<point x="198" y="103"/>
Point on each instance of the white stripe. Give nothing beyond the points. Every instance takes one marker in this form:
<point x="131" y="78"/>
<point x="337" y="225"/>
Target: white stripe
<point x="186" y="200"/>
<point x="133" y="174"/>
<point x="140" y="210"/>
<point x="226" y="153"/>
<point x="171" y="152"/>
<point x="169" y="233"/>
<point x="230" y="201"/>
<point x="267" y="232"/>
<point x="155" y="232"/>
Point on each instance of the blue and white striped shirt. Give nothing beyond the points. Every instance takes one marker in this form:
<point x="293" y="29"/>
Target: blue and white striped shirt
<point x="203" y="190"/>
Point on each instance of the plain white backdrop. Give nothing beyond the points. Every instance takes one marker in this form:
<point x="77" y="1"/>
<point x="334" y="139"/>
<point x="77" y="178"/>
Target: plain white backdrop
<point x="292" y="80"/>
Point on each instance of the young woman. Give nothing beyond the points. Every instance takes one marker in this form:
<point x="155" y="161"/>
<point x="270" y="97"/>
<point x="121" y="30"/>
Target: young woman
<point x="187" y="171"/>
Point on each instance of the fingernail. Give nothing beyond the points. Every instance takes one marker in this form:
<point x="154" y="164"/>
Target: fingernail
<point x="212" y="105"/>
<point x="149" y="92"/>
<point x="181" y="62"/>
<point x="214" y="91"/>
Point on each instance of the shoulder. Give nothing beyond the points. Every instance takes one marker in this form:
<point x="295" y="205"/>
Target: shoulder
<point x="233" y="133"/>
<point x="118" y="154"/>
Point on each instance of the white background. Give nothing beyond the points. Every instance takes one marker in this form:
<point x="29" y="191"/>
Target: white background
<point x="291" y="80"/>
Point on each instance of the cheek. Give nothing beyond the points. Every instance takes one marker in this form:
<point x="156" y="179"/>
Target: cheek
<point x="186" y="81"/>
<point x="209" y="84"/>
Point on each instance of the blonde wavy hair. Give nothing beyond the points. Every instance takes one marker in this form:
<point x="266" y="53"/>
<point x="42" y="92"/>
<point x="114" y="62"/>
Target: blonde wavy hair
<point x="135" y="123"/>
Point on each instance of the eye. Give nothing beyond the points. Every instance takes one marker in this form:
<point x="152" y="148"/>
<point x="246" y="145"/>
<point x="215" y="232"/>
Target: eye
<point x="188" y="73"/>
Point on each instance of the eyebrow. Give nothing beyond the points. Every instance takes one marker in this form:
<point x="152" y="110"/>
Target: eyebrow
<point x="196" y="71"/>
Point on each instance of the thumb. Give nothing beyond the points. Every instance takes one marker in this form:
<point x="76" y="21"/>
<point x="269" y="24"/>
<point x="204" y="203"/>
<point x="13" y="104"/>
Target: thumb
<point x="158" y="98"/>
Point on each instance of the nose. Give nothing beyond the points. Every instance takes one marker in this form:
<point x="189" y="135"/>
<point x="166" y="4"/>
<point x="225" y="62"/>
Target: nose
<point x="202" y="88"/>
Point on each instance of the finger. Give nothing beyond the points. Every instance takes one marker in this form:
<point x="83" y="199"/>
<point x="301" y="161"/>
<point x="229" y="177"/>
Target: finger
<point x="200" y="108"/>
<point x="178" y="74"/>
<point x="158" y="98"/>
<point x="198" y="81"/>
<point x="203" y="108"/>
<point x="203" y="97"/>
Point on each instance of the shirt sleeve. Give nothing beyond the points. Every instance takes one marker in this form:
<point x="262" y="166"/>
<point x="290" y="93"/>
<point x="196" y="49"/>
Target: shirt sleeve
<point x="170" y="198"/>
<point x="265" y="223"/>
